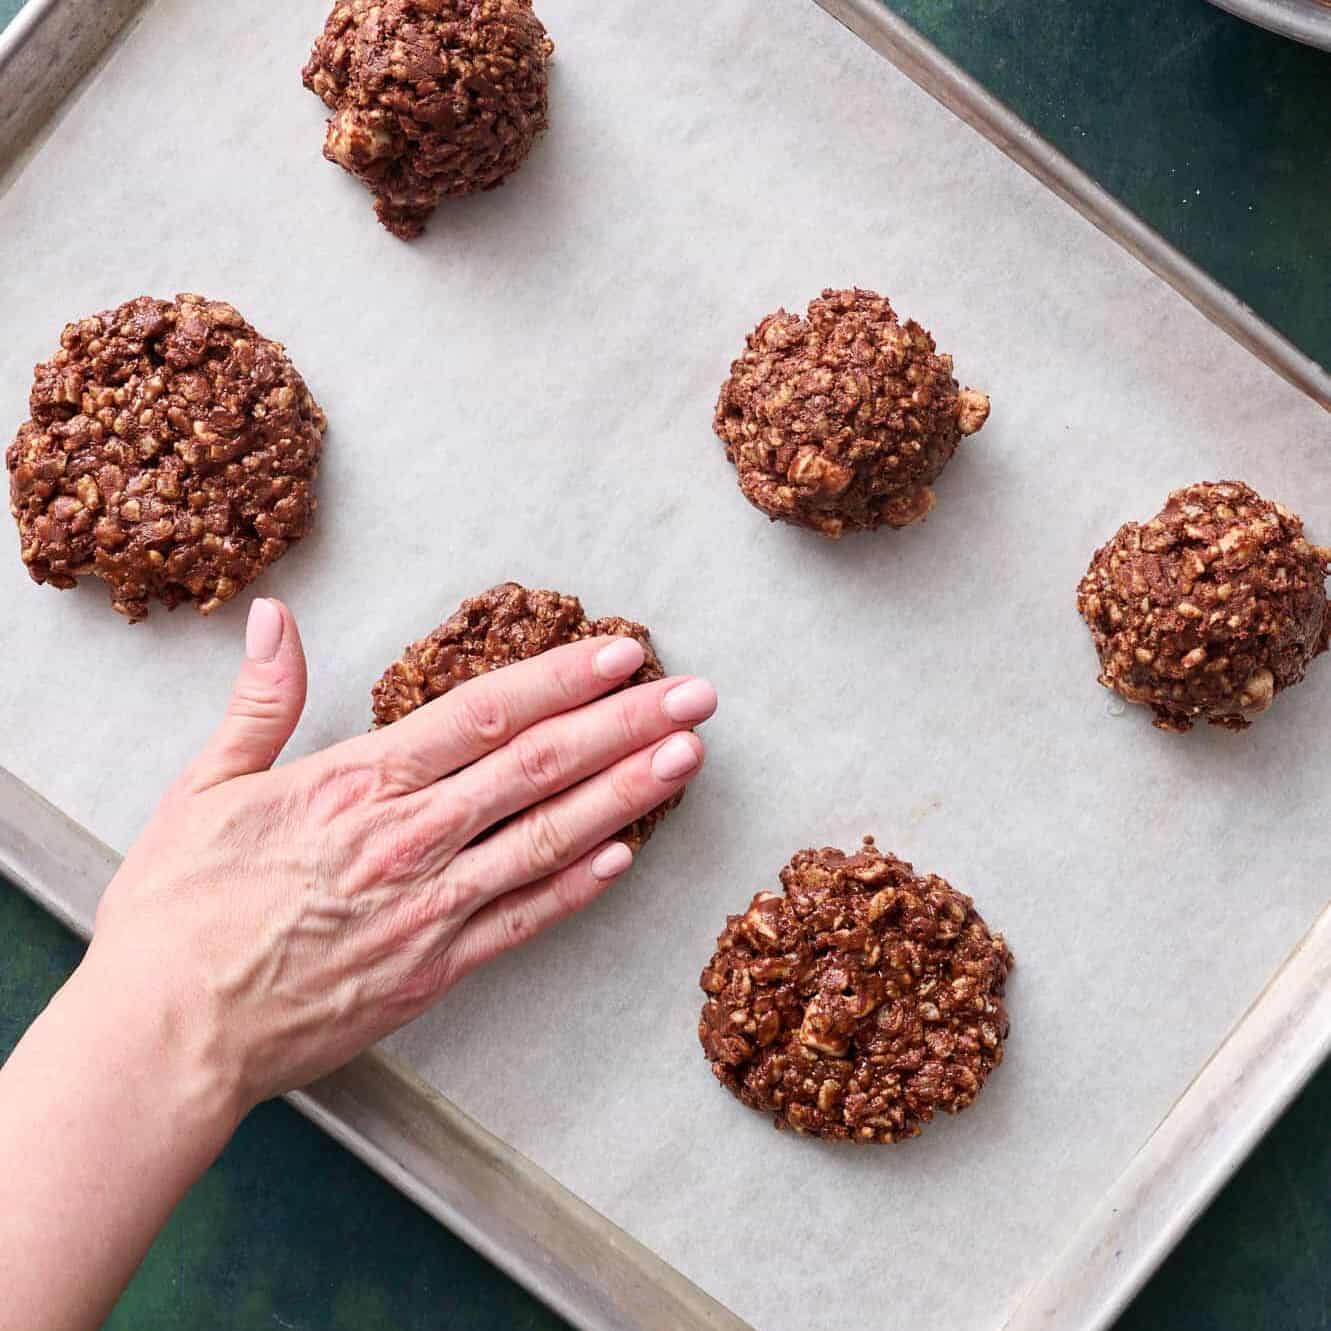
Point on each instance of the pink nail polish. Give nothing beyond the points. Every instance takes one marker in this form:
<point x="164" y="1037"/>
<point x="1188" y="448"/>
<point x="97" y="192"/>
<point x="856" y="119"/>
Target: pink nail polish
<point x="612" y="861"/>
<point x="619" y="659"/>
<point x="263" y="630"/>
<point x="690" y="702"/>
<point x="676" y="758"/>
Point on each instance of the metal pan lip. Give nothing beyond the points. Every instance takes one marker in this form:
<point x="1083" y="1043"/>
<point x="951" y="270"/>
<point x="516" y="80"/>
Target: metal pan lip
<point x="1307" y="21"/>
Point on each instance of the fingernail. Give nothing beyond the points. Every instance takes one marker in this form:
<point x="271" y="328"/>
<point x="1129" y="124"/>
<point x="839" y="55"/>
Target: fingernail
<point x="694" y="700"/>
<point x="612" y="861"/>
<point x="675" y="758"/>
<point x="619" y="659"/>
<point x="263" y="630"/>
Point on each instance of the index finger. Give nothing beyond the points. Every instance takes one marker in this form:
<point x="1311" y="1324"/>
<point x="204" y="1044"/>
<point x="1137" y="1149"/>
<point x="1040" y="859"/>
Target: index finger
<point x="484" y="713"/>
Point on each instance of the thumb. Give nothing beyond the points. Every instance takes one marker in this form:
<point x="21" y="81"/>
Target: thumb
<point x="266" y="701"/>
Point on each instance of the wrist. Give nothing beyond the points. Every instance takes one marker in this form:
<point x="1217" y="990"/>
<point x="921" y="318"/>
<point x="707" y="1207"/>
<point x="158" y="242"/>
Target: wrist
<point x="136" y="1114"/>
<point x="161" y="1048"/>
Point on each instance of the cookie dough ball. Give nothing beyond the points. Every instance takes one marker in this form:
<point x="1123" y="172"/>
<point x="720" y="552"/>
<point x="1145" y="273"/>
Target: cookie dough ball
<point x="171" y="452"/>
<point x="430" y="97"/>
<point x="508" y="623"/>
<point x="858" y="1004"/>
<point x="841" y="421"/>
<point x="1208" y="610"/>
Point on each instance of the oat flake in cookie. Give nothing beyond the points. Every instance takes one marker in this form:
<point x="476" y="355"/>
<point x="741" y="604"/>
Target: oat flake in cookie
<point x="1208" y="610"/>
<point x="171" y="453"/>
<point x="858" y="1004"/>
<point x="842" y="420"/>
<point x="508" y="623"/>
<point x="430" y="98"/>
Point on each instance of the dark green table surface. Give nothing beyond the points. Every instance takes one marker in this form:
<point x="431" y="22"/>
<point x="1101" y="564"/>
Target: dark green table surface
<point x="1218" y="135"/>
<point x="1215" y="132"/>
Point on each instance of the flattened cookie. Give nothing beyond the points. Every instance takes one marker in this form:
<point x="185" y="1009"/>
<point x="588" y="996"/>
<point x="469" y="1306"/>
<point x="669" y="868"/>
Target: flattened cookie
<point x="1208" y="610"/>
<point x="508" y="623"/>
<point x="171" y="452"/>
<point x="859" y="1003"/>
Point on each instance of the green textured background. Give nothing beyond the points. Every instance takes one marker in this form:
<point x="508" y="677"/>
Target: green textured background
<point x="1215" y="132"/>
<point x="1218" y="135"/>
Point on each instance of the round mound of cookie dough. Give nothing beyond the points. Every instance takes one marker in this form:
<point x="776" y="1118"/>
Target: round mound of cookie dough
<point x="508" y="623"/>
<point x="430" y="98"/>
<point x="171" y="452"/>
<point x="842" y="420"/>
<point x="859" y="1003"/>
<point x="1210" y="609"/>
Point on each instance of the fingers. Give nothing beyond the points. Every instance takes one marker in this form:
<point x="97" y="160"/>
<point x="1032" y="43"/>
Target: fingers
<point x="517" y="917"/>
<point x="559" y="752"/>
<point x="557" y="832"/>
<point x="266" y="701"/>
<point x="486" y="712"/>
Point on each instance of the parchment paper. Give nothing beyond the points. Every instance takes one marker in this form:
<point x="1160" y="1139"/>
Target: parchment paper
<point x="527" y="393"/>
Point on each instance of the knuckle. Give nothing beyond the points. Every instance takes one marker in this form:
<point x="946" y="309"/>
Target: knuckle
<point x="627" y="791"/>
<point x="518" y="924"/>
<point x="456" y="820"/>
<point x="345" y="788"/>
<point x="482" y="717"/>
<point x="548" y="842"/>
<point x="451" y="899"/>
<point x="629" y="718"/>
<point x="255" y="699"/>
<point x="447" y="900"/>
<point x="540" y="761"/>
<point x="400" y="853"/>
<point x="409" y="920"/>
<point x="393" y="776"/>
<point x="414" y="990"/>
<point x="422" y="984"/>
<point x="395" y="769"/>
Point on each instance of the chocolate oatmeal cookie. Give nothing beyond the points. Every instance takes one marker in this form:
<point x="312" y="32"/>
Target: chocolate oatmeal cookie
<point x="508" y="623"/>
<point x="430" y="97"/>
<point x="841" y="421"/>
<point x="171" y="452"/>
<point x="858" y="1004"/>
<point x="1208" y="610"/>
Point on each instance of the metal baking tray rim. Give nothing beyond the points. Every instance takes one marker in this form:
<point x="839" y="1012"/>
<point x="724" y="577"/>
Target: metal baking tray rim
<point x="1307" y="21"/>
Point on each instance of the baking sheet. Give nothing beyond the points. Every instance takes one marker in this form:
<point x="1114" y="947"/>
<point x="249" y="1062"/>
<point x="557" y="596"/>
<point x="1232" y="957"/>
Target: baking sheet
<point x="527" y="393"/>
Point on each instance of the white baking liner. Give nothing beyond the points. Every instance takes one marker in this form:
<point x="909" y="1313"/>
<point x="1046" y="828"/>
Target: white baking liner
<point x="527" y="393"/>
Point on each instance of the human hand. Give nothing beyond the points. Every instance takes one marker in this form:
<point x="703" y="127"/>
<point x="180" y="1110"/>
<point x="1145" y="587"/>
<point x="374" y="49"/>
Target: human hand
<point x="269" y="924"/>
<point x="284" y="919"/>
